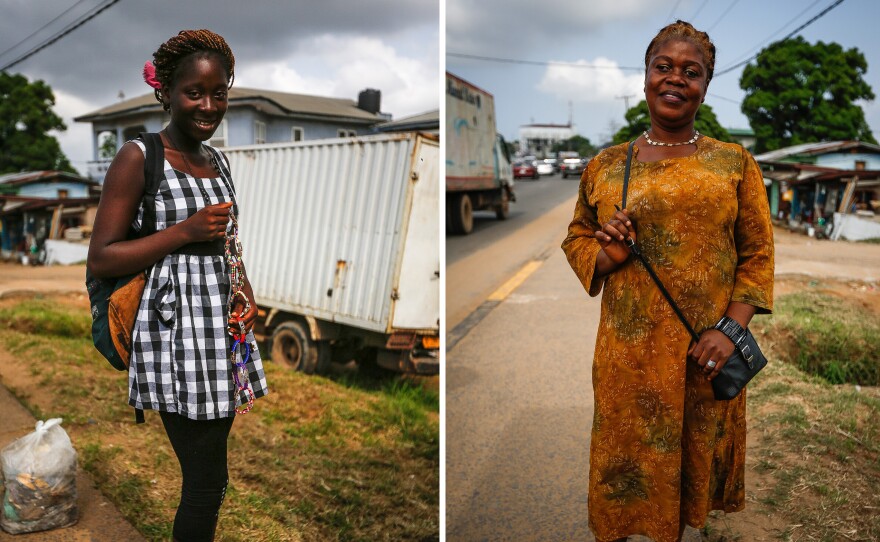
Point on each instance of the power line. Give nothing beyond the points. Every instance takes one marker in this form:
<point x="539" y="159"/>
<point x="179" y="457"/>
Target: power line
<point x="671" y="13"/>
<point x="783" y="27"/>
<point x="790" y="34"/>
<point x="696" y="13"/>
<point x="726" y="11"/>
<point x="542" y="62"/>
<point x="60" y="35"/>
<point x="35" y="32"/>
<point x="731" y="100"/>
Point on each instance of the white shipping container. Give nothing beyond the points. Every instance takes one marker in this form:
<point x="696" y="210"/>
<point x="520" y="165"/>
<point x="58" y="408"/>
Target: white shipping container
<point x="344" y="230"/>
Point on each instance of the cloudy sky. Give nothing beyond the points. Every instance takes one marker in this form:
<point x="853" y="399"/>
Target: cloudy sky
<point x="327" y="47"/>
<point x="612" y="35"/>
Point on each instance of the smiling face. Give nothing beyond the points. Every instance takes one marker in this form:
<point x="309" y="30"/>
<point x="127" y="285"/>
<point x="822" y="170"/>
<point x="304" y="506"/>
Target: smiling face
<point x="198" y="95"/>
<point x="675" y="85"/>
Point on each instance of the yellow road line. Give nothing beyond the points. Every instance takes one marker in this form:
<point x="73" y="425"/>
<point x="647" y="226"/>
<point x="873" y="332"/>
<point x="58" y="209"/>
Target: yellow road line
<point x="514" y="281"/>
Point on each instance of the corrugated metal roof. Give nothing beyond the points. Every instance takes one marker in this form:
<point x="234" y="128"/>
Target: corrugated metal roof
<point x="821" y="147"/>
<point x="25" y="177"/>
<point x="427" y="120"/>
<point x="286" y="104"/>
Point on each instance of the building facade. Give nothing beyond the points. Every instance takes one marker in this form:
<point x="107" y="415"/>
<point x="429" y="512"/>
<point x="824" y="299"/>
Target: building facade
<point x="538" y="139"/>
<point x="809" y="183"/>
<point x="253" y="117"/>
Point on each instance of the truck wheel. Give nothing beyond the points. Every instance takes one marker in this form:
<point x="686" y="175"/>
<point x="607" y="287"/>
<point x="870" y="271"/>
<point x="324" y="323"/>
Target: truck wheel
<point x="293" y="347"/>
<point x="502" y="210"/>
<point x="462" y="214"/>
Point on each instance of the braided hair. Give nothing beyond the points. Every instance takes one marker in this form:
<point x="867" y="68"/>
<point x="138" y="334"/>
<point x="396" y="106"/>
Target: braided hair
<point x="171" y="53"/>
<point x="684" y="31"/>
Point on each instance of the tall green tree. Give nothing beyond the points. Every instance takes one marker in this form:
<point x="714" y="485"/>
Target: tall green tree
<point x="801" y="93"/>
<point x="638" y="119"/>
<point x="575" y="143"/>
<point x="26" y="117"/>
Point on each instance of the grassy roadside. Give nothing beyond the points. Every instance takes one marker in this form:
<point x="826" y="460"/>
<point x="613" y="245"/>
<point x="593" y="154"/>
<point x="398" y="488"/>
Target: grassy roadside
<point x="316" y="459"/>
<point x="814" y="423"/>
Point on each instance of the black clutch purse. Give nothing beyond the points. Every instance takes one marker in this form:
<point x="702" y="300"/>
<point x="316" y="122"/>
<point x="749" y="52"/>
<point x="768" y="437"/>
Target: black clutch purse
<point x="746" y="359"/>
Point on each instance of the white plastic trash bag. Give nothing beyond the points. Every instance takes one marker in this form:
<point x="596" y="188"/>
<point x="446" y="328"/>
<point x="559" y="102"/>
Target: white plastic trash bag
<point x="39" y="478"/>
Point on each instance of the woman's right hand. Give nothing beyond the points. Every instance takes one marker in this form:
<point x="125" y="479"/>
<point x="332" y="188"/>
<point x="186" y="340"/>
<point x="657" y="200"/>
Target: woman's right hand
<point x="613" y="235"/>
<point x="209" y="223"/>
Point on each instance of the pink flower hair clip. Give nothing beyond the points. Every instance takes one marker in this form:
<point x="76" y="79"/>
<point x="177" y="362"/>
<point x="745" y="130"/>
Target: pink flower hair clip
<point x="150" y="76"/>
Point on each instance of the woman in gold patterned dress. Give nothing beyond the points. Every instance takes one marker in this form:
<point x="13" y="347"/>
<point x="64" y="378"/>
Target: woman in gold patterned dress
<point x="663" y="451"/>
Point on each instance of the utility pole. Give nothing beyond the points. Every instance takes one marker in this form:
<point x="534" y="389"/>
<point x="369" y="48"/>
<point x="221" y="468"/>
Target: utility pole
<point x="625" y="99"/>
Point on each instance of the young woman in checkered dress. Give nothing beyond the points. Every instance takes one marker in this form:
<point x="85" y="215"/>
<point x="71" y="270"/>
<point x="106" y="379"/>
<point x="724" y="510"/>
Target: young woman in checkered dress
<point x="180" y="346"/>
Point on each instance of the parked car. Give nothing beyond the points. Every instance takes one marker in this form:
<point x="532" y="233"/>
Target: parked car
<point x="572" y="166"/>
<point x="545" y="168"/>
<point x="524" y="170"/>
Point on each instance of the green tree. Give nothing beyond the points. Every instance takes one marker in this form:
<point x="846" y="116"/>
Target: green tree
<point x="801" y="93"/>
<point x="107" y="149"/>
<point x="575" y="143"/>
<point x="26" y="117"/>
<point x="638" y="119"/>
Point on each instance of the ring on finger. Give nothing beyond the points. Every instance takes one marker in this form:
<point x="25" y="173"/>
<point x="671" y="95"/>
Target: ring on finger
<point x="711" y="364"/>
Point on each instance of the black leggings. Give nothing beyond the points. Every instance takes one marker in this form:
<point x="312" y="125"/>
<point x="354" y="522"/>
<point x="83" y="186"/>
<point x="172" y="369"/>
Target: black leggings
<point x="200" y="446"/>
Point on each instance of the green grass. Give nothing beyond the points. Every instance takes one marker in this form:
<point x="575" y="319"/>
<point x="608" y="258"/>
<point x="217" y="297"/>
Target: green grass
<point x="836" y="341"/>
<point x="355" y="459"/>
<point x="817" y="441"/>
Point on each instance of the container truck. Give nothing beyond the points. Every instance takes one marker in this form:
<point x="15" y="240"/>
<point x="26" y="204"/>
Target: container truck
<point x="478" y="172"/>
<point x="341" y="244"/>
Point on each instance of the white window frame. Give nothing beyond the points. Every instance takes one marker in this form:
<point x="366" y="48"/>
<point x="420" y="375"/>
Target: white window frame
<point x="221" y="140"/>
<point x="342" y="132"/>
<point x="297" y="130"/>
<point x="259" y="132"/>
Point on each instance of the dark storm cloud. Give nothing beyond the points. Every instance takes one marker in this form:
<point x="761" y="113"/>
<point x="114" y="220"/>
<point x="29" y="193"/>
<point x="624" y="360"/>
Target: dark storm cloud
<point x="515" y="28"/>
<point x="106" y="54"/>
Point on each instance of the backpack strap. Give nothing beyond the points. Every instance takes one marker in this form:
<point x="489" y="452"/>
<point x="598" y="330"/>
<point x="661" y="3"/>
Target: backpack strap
<point x="154" y="168"/>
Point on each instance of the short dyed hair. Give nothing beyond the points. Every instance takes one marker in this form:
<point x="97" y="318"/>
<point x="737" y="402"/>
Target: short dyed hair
<point x="170" y="54"/>
<point x="684" y="31"/>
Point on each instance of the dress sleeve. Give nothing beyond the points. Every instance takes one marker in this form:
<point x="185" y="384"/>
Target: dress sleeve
<point x="753" y="235"/>
<point x="580" y="246"/>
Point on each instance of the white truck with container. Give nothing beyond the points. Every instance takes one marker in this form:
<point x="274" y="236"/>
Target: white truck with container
<point x="478" y="171"/>
<point x="342" y="247"/>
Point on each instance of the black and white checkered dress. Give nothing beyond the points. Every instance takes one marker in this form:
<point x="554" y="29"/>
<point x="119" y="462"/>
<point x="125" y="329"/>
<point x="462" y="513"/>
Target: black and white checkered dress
<point x="180" y="346"/>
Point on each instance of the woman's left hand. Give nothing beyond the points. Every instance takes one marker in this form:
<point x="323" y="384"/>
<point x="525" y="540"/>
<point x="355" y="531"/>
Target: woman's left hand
<point x="240" y="316"/>
<point x="711" y="352"/>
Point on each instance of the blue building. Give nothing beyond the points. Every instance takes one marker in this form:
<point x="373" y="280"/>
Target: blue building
<point x="40" y="205"/>
<point x="254" y="117"/>
<point x="812" y="181"/>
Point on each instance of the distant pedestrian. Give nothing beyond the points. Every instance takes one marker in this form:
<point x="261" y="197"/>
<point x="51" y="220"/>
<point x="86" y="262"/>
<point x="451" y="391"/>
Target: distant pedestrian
<point x="664" y="452"/>
<point x="180" y="364"/>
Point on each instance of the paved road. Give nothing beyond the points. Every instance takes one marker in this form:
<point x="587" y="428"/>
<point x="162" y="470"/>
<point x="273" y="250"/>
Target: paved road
<point x="518" y="413"/>
<point x="478" y="263"/>
<point x="518" y="387"/>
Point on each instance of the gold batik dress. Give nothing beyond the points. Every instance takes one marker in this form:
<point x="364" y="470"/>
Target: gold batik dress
<point x="663" y="452"/>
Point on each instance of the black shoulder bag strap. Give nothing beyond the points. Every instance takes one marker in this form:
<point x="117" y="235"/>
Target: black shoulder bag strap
<point x="634" y="248"/>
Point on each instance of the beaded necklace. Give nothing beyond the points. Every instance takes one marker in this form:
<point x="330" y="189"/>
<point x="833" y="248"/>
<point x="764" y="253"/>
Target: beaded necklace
<point x="239" y="340"/>
<point x="662" y="144"/>
<point x="241" y="348"/>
